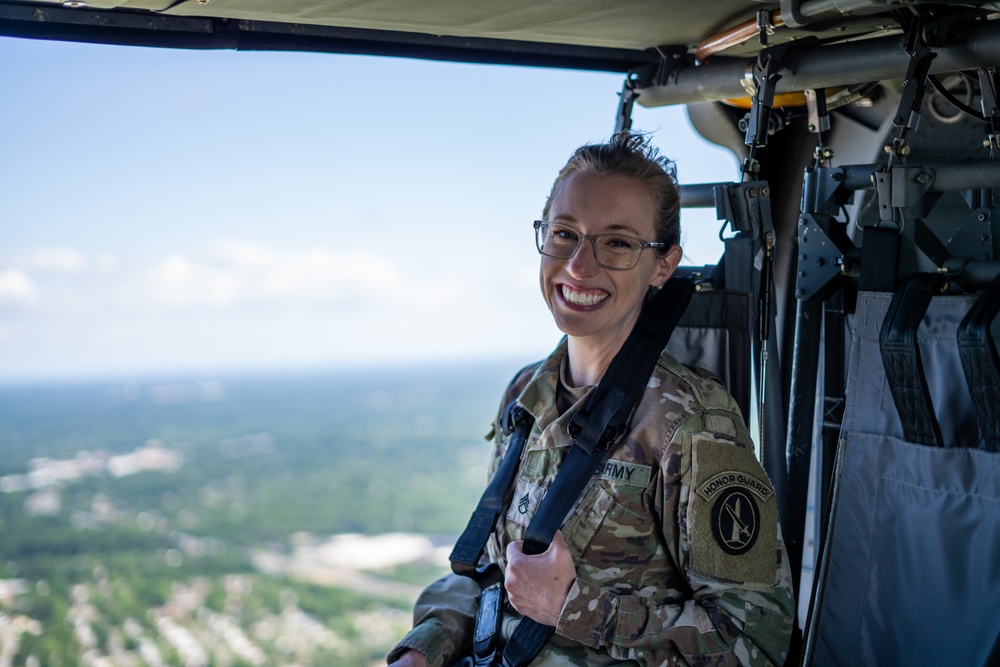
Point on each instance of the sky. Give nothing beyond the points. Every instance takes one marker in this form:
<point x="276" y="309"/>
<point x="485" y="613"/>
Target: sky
<point x="176" y="213"/>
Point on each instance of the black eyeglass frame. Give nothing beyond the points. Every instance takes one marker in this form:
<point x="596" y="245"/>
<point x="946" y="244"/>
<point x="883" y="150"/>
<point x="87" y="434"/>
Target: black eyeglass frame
<point x="540" y="224"/>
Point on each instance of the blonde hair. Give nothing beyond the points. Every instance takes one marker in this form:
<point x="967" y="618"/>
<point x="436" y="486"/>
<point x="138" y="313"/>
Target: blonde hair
<point x="632" y="155"/>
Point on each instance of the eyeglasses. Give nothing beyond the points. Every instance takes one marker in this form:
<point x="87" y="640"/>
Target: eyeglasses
<point x="618" y="252"/>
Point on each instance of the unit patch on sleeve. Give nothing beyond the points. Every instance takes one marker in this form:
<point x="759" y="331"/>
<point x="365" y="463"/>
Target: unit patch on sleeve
<point x="732" y="514"/>
<point x="735" y="521"/>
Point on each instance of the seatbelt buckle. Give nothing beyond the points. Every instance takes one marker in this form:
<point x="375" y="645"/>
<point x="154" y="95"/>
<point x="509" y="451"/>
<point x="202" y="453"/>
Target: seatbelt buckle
<point x="512" y="415"/>
<point x="488" y="618"/>
<point x="606" y="440"/>
<point x="575" y="426"/>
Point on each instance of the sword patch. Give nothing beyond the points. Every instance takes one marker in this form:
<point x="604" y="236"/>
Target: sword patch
<point x="735" y="520"/>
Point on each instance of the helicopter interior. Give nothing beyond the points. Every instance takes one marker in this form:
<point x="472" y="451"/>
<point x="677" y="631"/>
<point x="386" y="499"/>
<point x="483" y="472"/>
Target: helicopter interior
<point x="853" y="312"/>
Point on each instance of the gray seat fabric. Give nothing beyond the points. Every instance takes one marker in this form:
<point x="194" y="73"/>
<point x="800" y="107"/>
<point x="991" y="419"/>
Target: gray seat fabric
<point x="714" y="333"/>
<point x="910" y="573"/>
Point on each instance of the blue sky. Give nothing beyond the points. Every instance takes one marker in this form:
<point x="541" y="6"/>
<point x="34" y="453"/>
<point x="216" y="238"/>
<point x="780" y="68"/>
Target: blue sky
<point x="198" y="212"/>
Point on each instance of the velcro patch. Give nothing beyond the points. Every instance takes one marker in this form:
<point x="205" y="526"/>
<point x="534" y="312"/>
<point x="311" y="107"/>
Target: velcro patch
<point x="732" y="515"/>
<point x="524" y="503"/>
<point x="624" y="472"/>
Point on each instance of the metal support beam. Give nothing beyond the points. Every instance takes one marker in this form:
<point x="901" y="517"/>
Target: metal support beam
<point x="876" y="59"/>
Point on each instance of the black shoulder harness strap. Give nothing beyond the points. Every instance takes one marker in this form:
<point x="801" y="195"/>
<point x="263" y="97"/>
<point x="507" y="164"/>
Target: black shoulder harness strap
<point x="981" y="364"/>
<point x="901" y="358"/>
<point x="594" y="430"/>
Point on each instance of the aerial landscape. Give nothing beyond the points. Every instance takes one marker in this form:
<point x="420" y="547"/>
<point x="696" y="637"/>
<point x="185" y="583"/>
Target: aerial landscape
<point x="254" y="520"/>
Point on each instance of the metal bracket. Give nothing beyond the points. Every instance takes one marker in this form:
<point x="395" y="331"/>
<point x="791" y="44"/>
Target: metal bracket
<point x="746" y="207"/>
<point x="765" y="27"/>
<point x="673" y="59"/>
<point x="974" y="239"/>
<point x="626" y="100"/>
<point x="991" y="107"/>
<point x="818" y="118"/>
<point x="764" y="74"/>
<point x="820" y="259"/>
<point x="888" y="215"/>
<point x="820" y="185"/>
<point x="907" y="117"/>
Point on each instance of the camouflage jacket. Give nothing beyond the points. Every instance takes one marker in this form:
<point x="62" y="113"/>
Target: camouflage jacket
<point x="676" y="540"/>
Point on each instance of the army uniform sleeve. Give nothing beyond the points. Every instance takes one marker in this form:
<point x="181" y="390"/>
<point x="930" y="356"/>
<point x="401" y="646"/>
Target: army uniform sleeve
<point x="720" y="523"/>
<point x="443" y="618"/>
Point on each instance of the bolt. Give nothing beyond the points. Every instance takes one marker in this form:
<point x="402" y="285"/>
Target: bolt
<point x="888" y="148"/>
<point x="800" y="293"/>
<point x="802" y="274"/>
<point x="765" y="191"/>
<point x="820" y="262"/>
<point x="981" y="216"/>
<point x="837" y="176"/>
<point x="923" y="177"/>
<point x="984" y="237"/>
<point x="812" y="128"/>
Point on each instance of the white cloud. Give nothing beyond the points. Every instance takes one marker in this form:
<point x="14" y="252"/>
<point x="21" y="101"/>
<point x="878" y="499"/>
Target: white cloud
<point x="237" y="273"/>
<point x="59" y="259"/>
<point x="17" y="287"/>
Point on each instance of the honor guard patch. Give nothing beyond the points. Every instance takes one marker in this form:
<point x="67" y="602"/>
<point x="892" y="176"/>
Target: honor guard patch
<point x="735" y="521"/>
<point x="732" y="513"/>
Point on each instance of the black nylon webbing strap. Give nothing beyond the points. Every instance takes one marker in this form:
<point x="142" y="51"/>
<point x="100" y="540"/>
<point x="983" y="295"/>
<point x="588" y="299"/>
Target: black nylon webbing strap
<point x="610" y="404"/>
<point x="470" y="545"/>
<point x="879" y="256"/>
<point x="981" y="364"/>
<point x="901" y="359"/>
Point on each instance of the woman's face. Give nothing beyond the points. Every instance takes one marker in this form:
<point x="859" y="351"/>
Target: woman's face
<point x="588" y="301"/>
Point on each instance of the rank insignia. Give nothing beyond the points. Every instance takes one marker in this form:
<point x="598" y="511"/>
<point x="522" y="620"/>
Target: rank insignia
<point x="522" y="505"/>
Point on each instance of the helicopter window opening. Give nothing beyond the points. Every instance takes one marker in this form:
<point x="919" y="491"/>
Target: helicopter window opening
<point x="218" y="230"/>
<point x="244" y="229"/>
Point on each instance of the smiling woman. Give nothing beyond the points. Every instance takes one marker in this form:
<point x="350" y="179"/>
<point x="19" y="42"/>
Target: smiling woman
<point x="217" y="210"/>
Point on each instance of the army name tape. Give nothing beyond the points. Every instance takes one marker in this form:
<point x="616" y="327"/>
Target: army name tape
<point x="625" y="472"/>
<point x="714" y="485"/>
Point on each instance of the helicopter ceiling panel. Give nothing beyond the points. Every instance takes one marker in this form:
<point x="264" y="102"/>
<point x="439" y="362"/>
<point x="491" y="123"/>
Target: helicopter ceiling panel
<point x="608" y="35"/>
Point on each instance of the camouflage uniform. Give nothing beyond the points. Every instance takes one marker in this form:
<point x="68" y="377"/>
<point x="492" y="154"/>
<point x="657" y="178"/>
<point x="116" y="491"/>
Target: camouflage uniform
<point x="676" y="541"/>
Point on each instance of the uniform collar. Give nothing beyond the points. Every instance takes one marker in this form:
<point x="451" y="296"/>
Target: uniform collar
<point x="539" y="396"/>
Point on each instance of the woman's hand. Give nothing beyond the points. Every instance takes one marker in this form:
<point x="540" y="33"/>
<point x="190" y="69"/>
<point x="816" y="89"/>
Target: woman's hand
<point x="410" y="659"/>
<point x="537" y="586"/>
